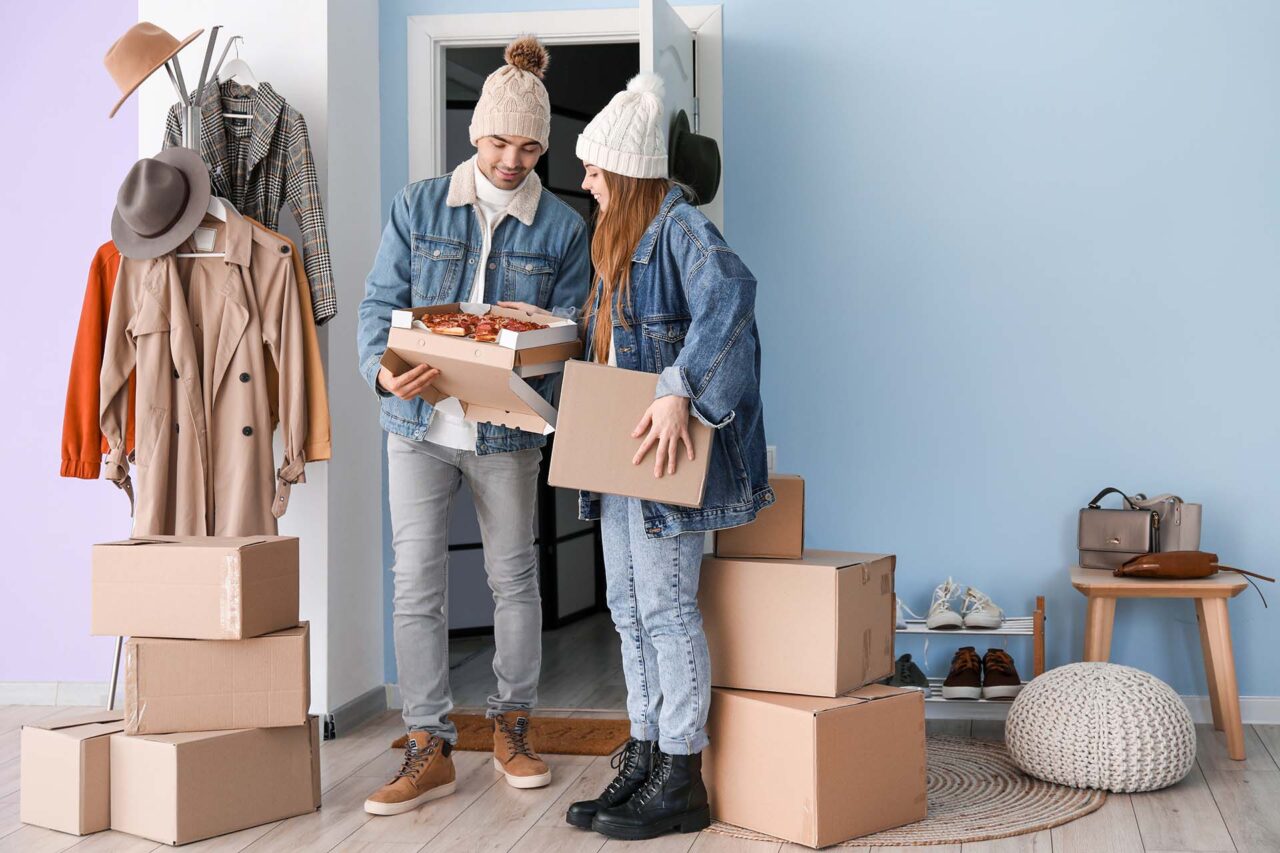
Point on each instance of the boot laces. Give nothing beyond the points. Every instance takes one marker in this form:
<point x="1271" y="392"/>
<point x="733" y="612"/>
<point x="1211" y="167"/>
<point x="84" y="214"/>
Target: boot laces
<point x="516" y="735"/>
<point x="624" y="762"/>
<point x="656" y="782"/>
<point x="415" y="759"/>
<point x="966" y="658"/>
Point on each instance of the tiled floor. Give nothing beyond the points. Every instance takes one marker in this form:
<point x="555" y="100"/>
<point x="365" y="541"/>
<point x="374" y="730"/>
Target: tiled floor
<point x="1222" y="805"/>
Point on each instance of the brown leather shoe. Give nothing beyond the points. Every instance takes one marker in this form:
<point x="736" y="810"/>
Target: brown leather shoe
<point x="999" y="676"/>
<point x="427" y="774"/>
<point x="512" y="754"/>
<point x="964" y="681"/>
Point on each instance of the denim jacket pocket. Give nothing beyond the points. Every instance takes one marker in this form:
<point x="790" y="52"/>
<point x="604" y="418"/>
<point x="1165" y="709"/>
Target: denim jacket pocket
<point x="436" y="265"/>
<point x="664" y="339"/>
<point x="527" y="278"/>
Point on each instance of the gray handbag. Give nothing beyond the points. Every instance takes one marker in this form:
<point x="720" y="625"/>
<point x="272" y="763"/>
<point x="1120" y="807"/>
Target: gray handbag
<point x="1179" y="521"/>
<point x="1110" y="537"/>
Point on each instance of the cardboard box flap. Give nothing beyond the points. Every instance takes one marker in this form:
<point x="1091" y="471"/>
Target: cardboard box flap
<point x="84" y="726"/>
<point x="797" y="702"/>
<point x="221" y="543"/>
<point x="876" y="692"/>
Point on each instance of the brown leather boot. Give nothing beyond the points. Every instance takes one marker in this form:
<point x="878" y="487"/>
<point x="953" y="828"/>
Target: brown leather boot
<point x="513" y="757"/>
<point x="427" y="774"/>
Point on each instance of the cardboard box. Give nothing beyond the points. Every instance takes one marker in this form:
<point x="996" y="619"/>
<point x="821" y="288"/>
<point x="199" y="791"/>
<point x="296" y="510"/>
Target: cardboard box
<point x="834" y="769"/>
<point x="203" y="685"/>
<point x="487" y="379"/>
<point x="178" y="788"/>
<point x="599" y="407"/>
<point x="777" y="532"/>
<point x="821" y="625"/>
<point x="65" y="769"/>
<point x="195" y="587"/>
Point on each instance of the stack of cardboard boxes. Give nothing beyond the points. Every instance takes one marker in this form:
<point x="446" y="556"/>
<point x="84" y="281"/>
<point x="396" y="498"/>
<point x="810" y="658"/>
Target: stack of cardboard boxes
<point x="214" y="735"/>
<point x="804" y="745"/>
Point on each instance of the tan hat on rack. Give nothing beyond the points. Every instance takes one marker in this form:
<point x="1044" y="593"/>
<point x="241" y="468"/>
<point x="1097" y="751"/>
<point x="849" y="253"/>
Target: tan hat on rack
<point x="160" y="203"/>
<point x="138" y="53"/>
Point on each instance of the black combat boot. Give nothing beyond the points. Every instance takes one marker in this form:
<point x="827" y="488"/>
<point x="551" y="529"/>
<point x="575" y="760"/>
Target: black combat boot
<point x="632" y="764"/>
<point x="672" y="798"/>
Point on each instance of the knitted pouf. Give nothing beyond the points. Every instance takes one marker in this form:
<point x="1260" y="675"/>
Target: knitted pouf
<point x="1101" y="725"/>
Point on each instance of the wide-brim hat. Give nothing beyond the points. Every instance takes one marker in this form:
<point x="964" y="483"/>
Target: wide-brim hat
<point x="694" y="160"/>
<point x="137" y="54"/>
<point x="160" y="203"/>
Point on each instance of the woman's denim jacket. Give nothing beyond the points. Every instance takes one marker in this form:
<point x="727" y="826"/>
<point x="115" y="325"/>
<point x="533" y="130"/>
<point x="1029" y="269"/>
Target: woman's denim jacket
<point x="428" y="254"/>
<point x="692" y="320"/>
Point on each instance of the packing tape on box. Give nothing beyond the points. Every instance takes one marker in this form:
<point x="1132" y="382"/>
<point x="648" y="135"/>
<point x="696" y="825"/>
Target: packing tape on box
<point x="866" y="652"/>
<point x="229" y="613"/>
<point x="133" y="716"/>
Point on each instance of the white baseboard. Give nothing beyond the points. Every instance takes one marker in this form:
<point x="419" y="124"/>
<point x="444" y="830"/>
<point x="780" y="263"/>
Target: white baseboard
<point x="53" y="693"/>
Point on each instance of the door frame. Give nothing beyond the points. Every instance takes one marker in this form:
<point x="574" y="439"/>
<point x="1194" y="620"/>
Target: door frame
<point x="430" y="35"/>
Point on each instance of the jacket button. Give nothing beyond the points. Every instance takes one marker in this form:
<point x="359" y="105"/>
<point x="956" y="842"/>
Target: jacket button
<point x="284" y="250"/>
<point x="493" y="266"/>
<point x="436" y="253"/>
<point x="247" y="430"/>
<point x="244" y="377"/>
<point x="528" y="267"/>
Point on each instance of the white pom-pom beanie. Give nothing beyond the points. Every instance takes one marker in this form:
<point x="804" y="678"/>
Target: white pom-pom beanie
<point x="629" y="136"/>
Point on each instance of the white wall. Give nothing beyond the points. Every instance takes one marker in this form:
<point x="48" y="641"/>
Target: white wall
<point x="287" y="43"/>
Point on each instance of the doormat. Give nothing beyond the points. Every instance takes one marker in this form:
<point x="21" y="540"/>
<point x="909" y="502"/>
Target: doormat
<point x="548" y="735"/>
<point x="976" y="793"/>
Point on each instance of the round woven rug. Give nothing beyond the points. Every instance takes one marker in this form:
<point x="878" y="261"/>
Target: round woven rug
<point x="976" y="793"/>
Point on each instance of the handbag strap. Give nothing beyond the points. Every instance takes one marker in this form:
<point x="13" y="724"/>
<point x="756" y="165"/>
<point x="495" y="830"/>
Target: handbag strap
<point x="1109" y="490"/>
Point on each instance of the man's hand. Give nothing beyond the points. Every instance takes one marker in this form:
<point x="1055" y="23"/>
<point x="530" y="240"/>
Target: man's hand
<point x="667" y="422"/>
<point x="523" y="306"/>
<point x="409" y="384"/>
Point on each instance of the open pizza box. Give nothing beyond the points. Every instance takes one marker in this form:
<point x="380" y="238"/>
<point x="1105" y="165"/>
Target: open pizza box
<point x="487" y="378"/>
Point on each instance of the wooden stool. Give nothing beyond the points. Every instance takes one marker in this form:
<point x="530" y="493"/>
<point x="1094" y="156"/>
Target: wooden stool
<point x="1102" y="589"/>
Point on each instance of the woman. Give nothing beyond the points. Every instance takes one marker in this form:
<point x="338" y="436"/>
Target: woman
<point x="670" y="298"/>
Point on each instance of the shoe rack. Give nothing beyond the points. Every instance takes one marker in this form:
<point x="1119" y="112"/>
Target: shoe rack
<point x="1013" y="626"/>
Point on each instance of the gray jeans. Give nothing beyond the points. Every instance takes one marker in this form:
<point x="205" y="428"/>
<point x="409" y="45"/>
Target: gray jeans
<point x="422" y="479"/>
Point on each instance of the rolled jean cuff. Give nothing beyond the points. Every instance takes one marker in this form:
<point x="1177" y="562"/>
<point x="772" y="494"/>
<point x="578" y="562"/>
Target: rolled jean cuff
<point x="691" y="745"/>
<point x="643" y="732"/>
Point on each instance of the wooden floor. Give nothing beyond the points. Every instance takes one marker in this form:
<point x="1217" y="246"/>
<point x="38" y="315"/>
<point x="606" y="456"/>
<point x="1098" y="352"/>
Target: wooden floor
<point x="1222" y="805"/>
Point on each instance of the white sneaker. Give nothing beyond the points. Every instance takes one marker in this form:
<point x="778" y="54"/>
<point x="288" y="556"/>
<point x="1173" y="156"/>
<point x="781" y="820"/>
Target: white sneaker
<point x="942" y="616"/>
<point x="979" y="611"/>
<point x="901" y="621"/>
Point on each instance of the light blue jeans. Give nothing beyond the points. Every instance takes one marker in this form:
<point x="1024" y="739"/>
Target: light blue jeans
<point x="653" y="596"/>
<point x="422" y="480"/>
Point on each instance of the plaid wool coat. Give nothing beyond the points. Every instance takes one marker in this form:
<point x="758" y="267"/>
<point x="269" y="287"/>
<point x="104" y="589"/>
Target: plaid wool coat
<point x="260" y="165"/>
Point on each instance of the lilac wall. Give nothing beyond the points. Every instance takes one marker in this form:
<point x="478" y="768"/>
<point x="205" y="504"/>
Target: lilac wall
<point x="63" y="160"/>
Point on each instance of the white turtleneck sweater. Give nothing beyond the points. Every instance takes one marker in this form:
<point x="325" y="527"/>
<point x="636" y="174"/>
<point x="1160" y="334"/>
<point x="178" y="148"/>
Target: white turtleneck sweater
<point x="448" y="426"/>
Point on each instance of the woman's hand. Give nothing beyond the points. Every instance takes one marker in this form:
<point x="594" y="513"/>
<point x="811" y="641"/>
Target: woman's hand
<point x="667" y="422"/>
<point x="523" y="306"/>
<point x="409" y="384"/>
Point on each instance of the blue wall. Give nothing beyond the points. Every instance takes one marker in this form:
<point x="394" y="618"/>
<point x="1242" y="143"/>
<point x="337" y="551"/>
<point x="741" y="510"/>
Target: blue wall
<point x="1039" y="241"/>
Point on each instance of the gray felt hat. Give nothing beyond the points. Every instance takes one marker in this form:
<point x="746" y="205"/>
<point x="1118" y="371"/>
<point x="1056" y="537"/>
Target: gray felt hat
<point x="160" y="203"/>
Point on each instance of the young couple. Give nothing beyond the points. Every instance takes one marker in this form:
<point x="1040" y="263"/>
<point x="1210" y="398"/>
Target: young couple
<point x="669" y="297"/>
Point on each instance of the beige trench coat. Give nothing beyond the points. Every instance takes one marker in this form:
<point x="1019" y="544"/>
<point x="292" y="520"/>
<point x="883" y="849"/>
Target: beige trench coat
<point x="195" y="328"/>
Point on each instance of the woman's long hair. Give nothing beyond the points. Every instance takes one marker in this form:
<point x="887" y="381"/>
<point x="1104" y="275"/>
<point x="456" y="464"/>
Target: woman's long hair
<point x="633" y="204"/>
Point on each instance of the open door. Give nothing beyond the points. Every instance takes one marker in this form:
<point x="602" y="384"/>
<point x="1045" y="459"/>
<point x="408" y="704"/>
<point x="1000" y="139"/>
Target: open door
<point x="666" y="48"/>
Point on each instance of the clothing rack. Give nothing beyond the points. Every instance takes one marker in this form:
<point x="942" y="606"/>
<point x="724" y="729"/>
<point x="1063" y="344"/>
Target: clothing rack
<point x="190" y="139"/>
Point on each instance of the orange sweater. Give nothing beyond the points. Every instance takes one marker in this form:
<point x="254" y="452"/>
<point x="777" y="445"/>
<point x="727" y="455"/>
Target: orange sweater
<point x="82" y="441"/>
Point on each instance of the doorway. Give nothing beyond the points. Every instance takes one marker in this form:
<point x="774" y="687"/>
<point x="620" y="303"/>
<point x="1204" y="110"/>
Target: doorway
<point x="571" y="570"/>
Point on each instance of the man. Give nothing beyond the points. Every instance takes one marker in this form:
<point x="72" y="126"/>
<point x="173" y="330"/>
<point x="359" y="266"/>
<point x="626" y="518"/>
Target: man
<point x="487" y="233"/>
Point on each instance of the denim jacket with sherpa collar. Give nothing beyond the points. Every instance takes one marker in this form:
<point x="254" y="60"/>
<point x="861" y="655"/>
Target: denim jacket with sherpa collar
<point x="430" y="247"/>
<point x="691" y="319"/>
